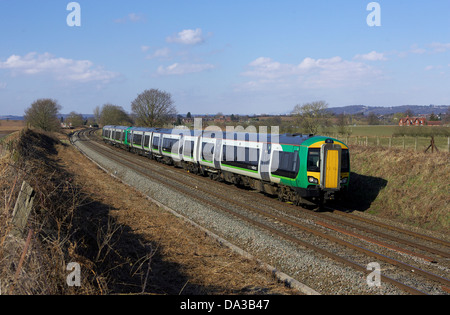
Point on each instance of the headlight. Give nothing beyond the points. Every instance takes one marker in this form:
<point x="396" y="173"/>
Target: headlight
<point x="313" y="180"/>
<point x="344" y="180"/>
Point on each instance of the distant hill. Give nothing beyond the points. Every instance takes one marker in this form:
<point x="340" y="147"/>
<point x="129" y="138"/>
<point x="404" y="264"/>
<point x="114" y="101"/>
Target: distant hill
<point x="11" y="117"/>
<point x="416" y="109"/>
<point x="348" y="110"/>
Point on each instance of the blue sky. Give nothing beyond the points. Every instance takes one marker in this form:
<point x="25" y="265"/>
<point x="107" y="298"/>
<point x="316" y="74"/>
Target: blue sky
<point x="246" y="57"/>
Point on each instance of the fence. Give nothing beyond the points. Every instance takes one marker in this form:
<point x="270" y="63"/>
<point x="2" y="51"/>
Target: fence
<point x="414" y="143"/>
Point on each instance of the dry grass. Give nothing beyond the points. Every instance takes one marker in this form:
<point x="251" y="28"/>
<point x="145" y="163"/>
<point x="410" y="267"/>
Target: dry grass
<point x="10" y="126"/>
<point x="123" y="242"/>
<point x="412" y="187"/>
<point x="172" y="257"/>
<point x="31" y="158"/>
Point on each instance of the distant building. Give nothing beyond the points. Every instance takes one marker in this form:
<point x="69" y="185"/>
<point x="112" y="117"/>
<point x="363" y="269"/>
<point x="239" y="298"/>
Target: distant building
<point x="418" y="121"/>
<point x="66" y="125"/>
<point x="414" y="121"/>
<point x="405" y="122"/>
<point x="222" y="119"/>
<point x="434" y="123"/>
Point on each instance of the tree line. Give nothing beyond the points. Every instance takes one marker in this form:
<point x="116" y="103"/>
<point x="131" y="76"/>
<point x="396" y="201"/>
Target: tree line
<point x="155" y="108"/>
<point x="151" y="108"/>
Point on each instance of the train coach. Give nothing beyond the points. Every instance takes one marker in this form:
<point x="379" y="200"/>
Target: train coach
<point x="302" y="169"/>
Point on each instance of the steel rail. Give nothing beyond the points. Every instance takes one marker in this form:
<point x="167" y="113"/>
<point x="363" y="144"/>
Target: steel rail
<point x="390" y="227"/>
<point x="262" y="225"/>
<point x="317" y="233"/>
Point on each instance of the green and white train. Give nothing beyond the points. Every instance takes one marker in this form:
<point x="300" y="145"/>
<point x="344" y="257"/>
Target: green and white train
<point x="301" y="169"/>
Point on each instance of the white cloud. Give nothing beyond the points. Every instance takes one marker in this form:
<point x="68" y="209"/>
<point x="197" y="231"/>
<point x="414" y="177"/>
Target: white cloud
<point x="310" y="73"/>
<point x="61" y="68"/>
<point x="264" y="67"/>
<point x="187" y="37"/>
<point x="160" y="53"/>
<point x="372" y="56"/>
<point x="440" y="47"/>
<point x="428" y="68"/>
<point x="415" y="49"/>
<point x="180" y="69"/>
<point x="132" y="17"/>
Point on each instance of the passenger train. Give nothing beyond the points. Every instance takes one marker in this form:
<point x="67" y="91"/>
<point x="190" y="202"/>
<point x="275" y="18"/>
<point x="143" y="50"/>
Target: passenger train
<point x="302" y="169"/>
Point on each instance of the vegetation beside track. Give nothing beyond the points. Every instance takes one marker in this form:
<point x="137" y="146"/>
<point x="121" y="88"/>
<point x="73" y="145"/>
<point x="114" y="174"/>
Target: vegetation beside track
<point x="407" y="186"/>
<point x="124" y="243"/>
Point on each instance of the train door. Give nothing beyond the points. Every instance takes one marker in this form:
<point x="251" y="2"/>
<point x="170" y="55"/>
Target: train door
<point x="264" y="166"/>
<point x="330" y="167"/>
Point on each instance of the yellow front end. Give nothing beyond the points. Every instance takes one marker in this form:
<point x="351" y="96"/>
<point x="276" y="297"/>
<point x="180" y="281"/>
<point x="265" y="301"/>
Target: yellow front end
<point x="332" y="170"/>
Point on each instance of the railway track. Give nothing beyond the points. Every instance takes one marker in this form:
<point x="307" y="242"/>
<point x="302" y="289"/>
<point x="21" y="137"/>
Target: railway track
<point x="300" y="226"/>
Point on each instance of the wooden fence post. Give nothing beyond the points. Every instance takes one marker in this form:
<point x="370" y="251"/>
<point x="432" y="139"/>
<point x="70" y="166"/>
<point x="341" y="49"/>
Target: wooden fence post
<point x="22" y="209"/>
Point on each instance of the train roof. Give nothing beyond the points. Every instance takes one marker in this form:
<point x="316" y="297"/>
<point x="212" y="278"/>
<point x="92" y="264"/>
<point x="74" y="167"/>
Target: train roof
<point x="290" y="139"/>
<point x="115" y="127"/>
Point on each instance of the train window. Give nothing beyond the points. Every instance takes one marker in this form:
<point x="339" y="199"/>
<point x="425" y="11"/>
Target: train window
<point x="146" y="141"/>
<point x="155" y="143"/>
<point x="189" y="148"/>
<point x="208" y="151"/>
<point x="285" y="164"/>
<point x="241" y="157"/>
<point x="170" y="145"/>
<point x="228" y="153"/>
<point x="137" y="140"/>
<point x="345" y="161"/>
<point x="118" y="135"/>
<point x="252" y="157"/>
<point x="313" y="164"/>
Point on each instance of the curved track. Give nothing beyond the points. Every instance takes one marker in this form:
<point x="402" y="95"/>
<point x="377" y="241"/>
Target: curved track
<point x="416" y="263"/>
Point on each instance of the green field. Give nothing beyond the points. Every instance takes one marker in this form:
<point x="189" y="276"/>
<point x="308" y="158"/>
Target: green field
<point x="387" y="136"/>
<point x="381" y="131"/>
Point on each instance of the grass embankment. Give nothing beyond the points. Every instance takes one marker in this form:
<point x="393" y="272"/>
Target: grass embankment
<point x="123" y="242"/>
<point x="411" y="187"/>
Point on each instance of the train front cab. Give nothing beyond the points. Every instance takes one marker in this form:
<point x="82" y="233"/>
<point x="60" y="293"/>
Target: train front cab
<point x="327" y="169"/>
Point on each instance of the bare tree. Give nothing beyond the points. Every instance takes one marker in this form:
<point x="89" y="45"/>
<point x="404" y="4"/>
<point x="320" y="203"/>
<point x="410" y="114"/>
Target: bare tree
<point x="43" y="114"/>
<point x="97" y="114"/>
<point x="153" y="108"/>
<point x="75" y="119"/>
<point x="342" y="124"/>
<point x="114" y="115"/>
<point x="312" y="116"/>
<point x="372" y="119"/>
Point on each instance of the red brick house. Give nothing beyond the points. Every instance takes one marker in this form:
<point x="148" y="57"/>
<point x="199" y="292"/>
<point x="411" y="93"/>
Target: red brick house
<point x="405" y="122"/>
<point x="434" y="123"/>
<point x="420" y="121"/>
<point x="414" y="121"/>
